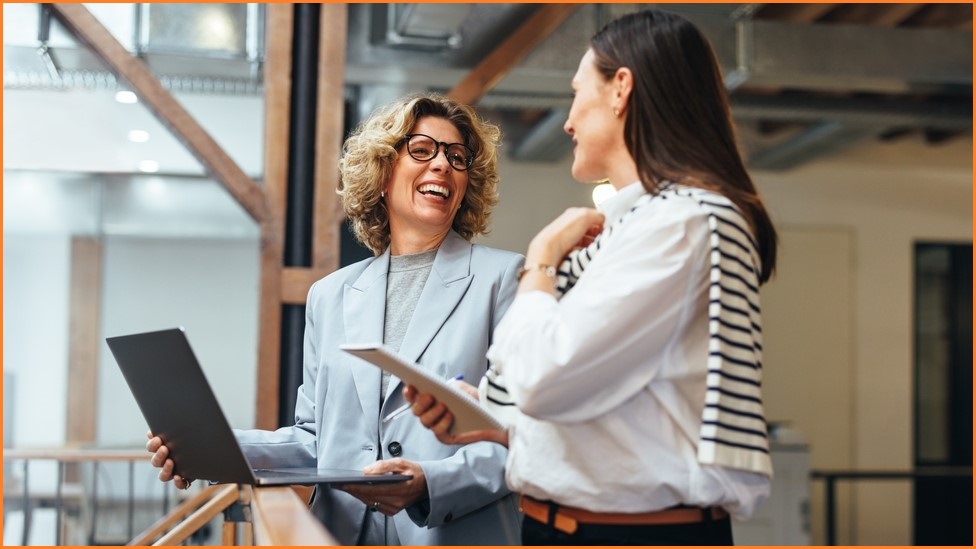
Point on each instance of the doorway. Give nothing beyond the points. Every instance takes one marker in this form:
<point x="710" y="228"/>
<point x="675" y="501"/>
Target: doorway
<point x="943" y="499"/>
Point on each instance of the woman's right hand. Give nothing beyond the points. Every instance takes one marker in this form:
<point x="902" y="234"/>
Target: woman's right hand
<point x="574" y="228"/>
<point x="160" y="458"/>
<point x="435" y="416"/>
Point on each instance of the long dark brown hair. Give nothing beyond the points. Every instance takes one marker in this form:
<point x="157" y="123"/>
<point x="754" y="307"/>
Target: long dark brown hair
<point x="679" y="125"/>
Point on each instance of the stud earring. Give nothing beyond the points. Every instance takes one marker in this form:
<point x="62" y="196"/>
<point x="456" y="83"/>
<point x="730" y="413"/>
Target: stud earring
<point x="616" y="112"/>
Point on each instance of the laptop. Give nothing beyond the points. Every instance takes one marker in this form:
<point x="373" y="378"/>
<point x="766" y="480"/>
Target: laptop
<point x="175" y="398"/>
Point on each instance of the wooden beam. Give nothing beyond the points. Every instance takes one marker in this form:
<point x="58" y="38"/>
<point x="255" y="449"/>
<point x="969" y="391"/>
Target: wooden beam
<point x="805" y="13"/>
<point x="84" y="316"/>
<point x="295" y="282"/>
<point x="327" y="214"/>
<point x="88" y="30"/>
<point x="510" y="53"/>
<point x="882" y="15"/>
<point x="277" y="105"/>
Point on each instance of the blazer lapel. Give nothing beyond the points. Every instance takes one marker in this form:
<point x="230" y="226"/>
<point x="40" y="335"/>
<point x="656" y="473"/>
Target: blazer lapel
<point x="363" y="310"/>
<point x="449" y="279"/>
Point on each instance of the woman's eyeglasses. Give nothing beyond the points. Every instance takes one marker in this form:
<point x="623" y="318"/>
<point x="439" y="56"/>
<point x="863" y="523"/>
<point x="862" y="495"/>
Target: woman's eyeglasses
<point x="424" y="148"/>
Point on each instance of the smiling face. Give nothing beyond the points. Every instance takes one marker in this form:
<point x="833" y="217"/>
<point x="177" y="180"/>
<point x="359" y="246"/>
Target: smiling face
<point x="422" y="198"/>
<point x="599" y="150"/>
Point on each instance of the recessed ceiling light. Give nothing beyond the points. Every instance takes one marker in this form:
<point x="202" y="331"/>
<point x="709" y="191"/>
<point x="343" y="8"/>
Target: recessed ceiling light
<point x="149" y="166"/>
<point x="138" y="136"/>
<point x="126" y="97"/>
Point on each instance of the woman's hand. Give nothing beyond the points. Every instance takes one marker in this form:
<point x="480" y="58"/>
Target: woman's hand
<point x="160" y="458"/>
<point x="391" y="498"/>
<point x="435" y="416"/>
<point x="574" y="228"/>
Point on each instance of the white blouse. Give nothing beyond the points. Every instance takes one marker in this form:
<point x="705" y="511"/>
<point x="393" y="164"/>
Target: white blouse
<point x="610" y="380"/>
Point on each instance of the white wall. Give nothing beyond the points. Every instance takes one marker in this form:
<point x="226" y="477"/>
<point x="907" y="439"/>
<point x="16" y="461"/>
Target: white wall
<point x="532" y="194"/>
<point x="209" y="287"/>
<point x="35" y="334"/>
<point x="35" y="344"/>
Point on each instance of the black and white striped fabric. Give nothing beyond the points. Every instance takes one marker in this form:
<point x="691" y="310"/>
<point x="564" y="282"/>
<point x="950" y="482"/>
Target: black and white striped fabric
<point x="571" y="267"/>
<point x="733" y="432"/>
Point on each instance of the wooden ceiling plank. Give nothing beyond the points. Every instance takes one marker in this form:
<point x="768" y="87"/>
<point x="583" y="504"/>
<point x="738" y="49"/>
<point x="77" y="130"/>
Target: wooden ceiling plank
<point x="887" y="15"/>
<point x="798" y="13"/>
<point x="88" y="30"/>
<point x="896" y="14"/>
<point x="510" y="53"/>
<point x="947" y="16"/>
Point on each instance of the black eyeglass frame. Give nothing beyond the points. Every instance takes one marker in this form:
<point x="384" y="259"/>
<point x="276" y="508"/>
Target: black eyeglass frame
<point x="405" y="140"/>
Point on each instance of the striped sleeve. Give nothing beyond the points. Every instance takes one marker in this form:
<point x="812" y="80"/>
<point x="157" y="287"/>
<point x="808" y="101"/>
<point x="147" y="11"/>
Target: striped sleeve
<point x="733" y="432"/>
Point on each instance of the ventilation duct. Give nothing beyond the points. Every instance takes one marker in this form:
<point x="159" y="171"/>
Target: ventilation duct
<point x="208" y="42"/>
<point x="546" y="141"/>
<point x="420" y="26"/>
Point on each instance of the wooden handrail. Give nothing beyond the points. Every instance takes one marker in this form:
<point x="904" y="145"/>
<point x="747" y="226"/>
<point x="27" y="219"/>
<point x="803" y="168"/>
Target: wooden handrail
<point x="281" y="518"/>
<point x="74" y="455"/>
<point x="177" y="515"/>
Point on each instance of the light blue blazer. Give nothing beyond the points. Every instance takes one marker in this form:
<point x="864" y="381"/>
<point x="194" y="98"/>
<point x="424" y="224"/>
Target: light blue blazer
<point x="337" y="416"/>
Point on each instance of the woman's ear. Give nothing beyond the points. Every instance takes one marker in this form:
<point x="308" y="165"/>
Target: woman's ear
<point x="623" y="85"/>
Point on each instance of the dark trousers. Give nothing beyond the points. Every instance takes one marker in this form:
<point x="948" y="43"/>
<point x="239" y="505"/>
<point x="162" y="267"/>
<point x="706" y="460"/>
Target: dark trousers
<point x="709" y="532"/>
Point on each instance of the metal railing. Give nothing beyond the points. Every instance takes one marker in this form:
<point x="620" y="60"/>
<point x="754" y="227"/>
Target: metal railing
<point x="830" y="479"/>
<point x="280" y="515"/>
<point x="27" y="501"/>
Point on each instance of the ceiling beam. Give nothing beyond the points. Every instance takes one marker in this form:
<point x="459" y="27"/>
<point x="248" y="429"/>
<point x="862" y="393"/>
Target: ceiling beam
<point x="799" y="13"/>
<point x="510" y="53"/>
<point x="885" y="15"/>
<point x="90" y="31"/>
<point x="949" y="16"/>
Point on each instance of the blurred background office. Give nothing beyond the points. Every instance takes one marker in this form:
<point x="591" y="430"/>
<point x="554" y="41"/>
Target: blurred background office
<point x="203" y="198"/>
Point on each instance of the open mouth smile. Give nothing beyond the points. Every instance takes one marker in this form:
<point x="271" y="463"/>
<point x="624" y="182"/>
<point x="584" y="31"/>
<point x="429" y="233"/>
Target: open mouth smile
<point x="431" y="189"/>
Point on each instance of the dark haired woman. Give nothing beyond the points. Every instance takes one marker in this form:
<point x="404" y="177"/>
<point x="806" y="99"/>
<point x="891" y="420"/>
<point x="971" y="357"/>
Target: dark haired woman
<point x="640" y="417"/>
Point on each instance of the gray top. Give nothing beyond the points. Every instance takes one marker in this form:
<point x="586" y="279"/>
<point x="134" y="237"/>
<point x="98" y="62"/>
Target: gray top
<point x="404" y="284"/>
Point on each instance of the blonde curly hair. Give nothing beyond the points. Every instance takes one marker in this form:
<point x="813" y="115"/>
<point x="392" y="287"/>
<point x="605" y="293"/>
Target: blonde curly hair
<point x="369" y="153"/>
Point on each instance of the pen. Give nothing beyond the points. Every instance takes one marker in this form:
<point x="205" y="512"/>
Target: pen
<point x="402" y="409"/>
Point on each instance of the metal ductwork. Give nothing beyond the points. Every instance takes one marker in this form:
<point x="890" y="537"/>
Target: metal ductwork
<point x="546" y="141"/>
<point x="839" y="81"/>
<point x="854" y="110"/>
<point x="422" y="26"/>
<point x="207" y="48"/>
<point x="849" y="58"/>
